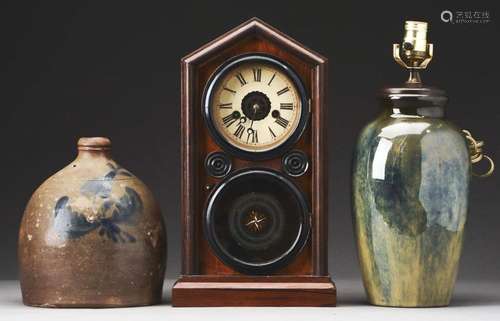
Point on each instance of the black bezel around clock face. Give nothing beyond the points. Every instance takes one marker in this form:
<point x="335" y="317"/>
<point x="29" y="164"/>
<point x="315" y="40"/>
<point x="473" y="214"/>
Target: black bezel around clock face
<point x="279" y="204"/>
<point x="219" y="74"/>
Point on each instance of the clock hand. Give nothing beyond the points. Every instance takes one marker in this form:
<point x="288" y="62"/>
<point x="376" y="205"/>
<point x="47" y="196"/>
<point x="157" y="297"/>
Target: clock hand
<point x="243" y="119"/>
<point x="255" y="108"/>
<point x="250" y="130"/>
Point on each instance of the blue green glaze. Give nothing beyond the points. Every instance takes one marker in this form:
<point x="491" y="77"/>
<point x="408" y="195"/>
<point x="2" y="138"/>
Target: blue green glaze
<point x="410" y="190"/>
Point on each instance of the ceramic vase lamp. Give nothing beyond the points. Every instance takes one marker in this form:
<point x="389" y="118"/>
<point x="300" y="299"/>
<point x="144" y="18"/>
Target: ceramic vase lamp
<point x="411" y="175"/>
<point x="92" y="235"/>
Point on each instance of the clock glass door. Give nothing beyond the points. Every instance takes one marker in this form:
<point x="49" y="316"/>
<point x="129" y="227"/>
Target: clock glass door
<point x="257" y="221"/>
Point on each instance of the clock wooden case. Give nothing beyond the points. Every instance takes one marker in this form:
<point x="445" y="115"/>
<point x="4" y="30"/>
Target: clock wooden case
<point x="254" y="173"/>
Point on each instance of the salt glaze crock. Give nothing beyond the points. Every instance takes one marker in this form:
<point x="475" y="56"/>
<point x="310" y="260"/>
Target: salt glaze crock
<point x="92" y="235"/>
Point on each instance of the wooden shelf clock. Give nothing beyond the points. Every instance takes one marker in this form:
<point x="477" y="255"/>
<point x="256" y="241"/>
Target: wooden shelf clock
<point x="254" y="179"/>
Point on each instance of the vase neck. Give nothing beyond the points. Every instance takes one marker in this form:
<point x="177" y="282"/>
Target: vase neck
<point x="414" y="101"/>
<point x="412" y="112"/>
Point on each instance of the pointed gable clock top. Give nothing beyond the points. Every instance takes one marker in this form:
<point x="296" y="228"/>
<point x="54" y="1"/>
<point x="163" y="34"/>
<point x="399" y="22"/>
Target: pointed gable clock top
<point x="254" y="26"/>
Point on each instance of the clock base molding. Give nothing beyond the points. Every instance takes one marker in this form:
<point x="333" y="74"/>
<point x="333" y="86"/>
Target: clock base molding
<point x="220" y="291"/>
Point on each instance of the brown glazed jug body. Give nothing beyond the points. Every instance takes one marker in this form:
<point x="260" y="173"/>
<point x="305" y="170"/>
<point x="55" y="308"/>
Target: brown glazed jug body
<point x="92" y="235"/>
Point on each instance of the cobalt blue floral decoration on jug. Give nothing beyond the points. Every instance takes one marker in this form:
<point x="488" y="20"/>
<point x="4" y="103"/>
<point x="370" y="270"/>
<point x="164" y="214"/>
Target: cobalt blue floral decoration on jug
<point x="411" y="171"/>
<point x="92" y="235"/>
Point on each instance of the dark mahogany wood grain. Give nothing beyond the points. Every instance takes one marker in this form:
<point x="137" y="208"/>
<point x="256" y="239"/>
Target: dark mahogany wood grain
<point x="213" y="291"/>
<point x="197" y="257"/>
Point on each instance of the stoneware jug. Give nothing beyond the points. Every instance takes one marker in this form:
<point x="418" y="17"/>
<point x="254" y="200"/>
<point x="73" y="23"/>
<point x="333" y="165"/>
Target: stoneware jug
<point x="92" y="235"/>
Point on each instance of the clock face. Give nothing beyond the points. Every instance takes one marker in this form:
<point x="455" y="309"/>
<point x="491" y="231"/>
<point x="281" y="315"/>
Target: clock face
<point x="256" y="105"/>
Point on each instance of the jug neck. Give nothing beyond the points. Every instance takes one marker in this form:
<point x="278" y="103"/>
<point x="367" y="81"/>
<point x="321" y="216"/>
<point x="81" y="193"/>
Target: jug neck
<point x="94" y="147"/>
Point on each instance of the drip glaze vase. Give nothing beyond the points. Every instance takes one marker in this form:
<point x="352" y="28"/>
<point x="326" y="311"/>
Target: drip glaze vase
<point x="411" y="173"/>
<point x="92" y="235"/>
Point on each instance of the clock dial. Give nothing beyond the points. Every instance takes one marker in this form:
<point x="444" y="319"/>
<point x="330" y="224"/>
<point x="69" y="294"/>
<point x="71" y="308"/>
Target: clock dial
<point x="256" y="106"/>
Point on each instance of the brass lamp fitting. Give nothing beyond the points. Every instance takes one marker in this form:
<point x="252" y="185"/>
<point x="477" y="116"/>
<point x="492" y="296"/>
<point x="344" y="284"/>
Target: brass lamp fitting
<point x="414" y="53"/>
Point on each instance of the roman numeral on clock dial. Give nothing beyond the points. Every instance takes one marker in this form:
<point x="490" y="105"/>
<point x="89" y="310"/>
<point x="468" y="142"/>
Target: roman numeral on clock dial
<point x="228" y="120"/>
<point x="257" y="74"/>
<point x="253" y="135"/>
<point x="230" y="90"/>
<point x="281" y="121"/>
<point x="239" y="131"/>
<point x="282" y="91"/>
<point x="271" y="80"/>
<point x="226" y="106"/>
<point x="241" y="79"/>
<point x="272" y="133"/>
<point x="286" y="106"/>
